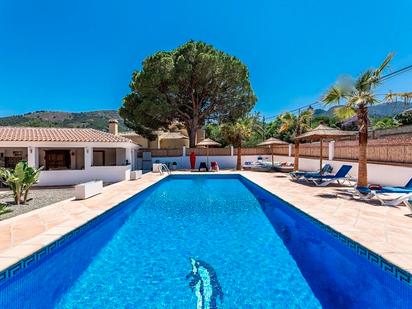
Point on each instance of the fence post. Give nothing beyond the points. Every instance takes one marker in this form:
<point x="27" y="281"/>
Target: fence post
<point x="232" y="152"/>
<point x="331" y="150"/>
<point x="290" y="150"/>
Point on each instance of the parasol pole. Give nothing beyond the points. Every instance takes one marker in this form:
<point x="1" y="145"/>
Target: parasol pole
<point x="273" y="163"/>
<point x="321" y="155"/>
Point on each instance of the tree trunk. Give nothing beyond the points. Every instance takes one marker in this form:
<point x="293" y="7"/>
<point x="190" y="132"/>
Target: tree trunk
<point x="26" y="195"/>
<point x="239" y="158"/>
<point x="296" y="163"/>
<point x="363" y="146"/>
<point x="192" y="130"/>
<point x="192" y="138"/>
<point x="17" y="197"/>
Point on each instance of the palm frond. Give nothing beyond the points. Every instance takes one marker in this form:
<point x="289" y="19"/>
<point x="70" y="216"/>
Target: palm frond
<point x="362" y="98"/>
<point x="390" y="96"/>
<point x="305" y="116"/>
<point x="406" y="96"/>
<point x="364" y="81"/>
<point x="287" y="121"/>
<point x="344" y="112"/>
<point x="376" y="77"/>
<point x="383" y="65"/>
<point x="334" y="95"/>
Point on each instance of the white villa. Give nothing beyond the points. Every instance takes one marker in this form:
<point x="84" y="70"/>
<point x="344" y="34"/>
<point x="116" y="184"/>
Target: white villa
<point x="69" y="155"/>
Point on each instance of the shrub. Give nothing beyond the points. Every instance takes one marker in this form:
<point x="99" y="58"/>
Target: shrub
<point x="404" y="118"/>
<point x="20" y="180"/>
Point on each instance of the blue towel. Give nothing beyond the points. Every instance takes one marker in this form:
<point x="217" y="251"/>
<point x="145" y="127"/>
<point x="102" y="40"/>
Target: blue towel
<point x="394" y="190"/>
<point x="406" y="189"/>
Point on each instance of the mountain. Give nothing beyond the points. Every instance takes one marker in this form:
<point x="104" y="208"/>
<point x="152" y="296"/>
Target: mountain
<point x="379" y="110"/>
<point x="95" y="119"/>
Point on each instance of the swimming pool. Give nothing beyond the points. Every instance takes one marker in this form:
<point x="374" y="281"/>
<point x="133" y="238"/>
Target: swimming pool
<point x="204" y="242"/>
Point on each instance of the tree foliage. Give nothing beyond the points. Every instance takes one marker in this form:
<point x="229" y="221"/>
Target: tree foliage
<point x="404" y="118"/>
<point x="236" y="133"/>
<point x="191" y="84"/>
<point x="384" y="123"/>
<point x="297" y="124"/>
<point x="326" y="120"/>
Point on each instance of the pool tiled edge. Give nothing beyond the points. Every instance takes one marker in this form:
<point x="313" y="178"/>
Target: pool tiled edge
<point x="371" y="256"/>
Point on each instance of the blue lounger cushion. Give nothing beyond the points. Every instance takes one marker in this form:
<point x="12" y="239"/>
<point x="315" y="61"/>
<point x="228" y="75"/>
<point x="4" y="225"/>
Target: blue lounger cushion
<point x="327" y="168"/>
<point x="342" y="173"/>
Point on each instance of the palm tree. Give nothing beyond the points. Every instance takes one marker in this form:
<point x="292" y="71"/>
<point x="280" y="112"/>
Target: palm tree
<point x="393" y="96"/>
<point x="357" y="95"/>
<point x="236" y="133"/>
<point x="299" y="124"/>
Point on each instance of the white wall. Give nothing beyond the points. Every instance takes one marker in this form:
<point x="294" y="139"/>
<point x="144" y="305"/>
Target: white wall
<point x="225" y="162"/>
<point x="72" y="177"/>
<point x="377" y="173"/>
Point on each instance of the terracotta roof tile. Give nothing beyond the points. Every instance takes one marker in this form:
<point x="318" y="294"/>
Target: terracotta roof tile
<point x="27" y="134"/>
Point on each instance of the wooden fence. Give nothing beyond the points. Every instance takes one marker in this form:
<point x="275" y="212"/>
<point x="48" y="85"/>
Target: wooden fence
<point x="381" y="150"/>
<point x="174" y="152"/>
<point x="212" y="151"/>
<point x="387" y="151"/>
<point x="312" y="150"/>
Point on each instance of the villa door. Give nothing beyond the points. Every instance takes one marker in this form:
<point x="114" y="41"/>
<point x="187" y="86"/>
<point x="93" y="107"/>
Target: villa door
<point x="98" y="158"/>
<point x="57" y="159"/>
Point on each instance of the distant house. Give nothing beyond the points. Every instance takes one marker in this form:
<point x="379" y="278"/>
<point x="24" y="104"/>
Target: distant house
<point x="69" y="155"/>
<point x="172" y="139"/>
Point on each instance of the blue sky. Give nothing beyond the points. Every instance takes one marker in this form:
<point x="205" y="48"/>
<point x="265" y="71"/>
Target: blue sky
<point x="79" y="55"/>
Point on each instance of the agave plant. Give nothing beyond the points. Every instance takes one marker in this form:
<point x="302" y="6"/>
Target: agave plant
<point x="20" y="180"/>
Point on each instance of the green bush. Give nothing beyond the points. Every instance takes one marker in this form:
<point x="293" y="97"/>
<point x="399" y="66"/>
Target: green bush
<point x="20" y="180"/>
<point x="404" y="118"/>
<point x="4" y="209"/>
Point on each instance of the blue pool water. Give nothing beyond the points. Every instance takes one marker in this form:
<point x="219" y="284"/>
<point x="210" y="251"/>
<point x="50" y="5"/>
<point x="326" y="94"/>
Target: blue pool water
<point x="204" y="242"/>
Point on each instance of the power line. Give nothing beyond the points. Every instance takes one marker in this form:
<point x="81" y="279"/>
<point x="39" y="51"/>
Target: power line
<point x="396" y="73"/>
<point x="316" y="103"/>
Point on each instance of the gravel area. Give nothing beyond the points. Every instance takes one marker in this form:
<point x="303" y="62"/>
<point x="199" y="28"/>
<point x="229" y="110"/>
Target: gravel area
<point x="38" y="198"/>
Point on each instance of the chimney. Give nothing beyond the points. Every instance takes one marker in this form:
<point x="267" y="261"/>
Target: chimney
<point x="113" y="126"/>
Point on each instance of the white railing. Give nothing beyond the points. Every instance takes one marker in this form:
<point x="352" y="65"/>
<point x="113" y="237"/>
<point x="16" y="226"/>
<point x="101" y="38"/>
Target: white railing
<point x="164" y="169"/>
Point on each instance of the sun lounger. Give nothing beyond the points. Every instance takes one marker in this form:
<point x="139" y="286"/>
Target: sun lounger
<point x="340" y="177"/>
<point x="390" y="199"/>
<point x="405" y="189"/>
<point x="259" y="166"/>
<point x="283" y="167"/>
<point x="326" y="169"/>
<point x="385" y="198"/>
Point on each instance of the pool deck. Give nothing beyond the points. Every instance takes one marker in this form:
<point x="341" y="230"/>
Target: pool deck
<point x="384" y="230"/>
